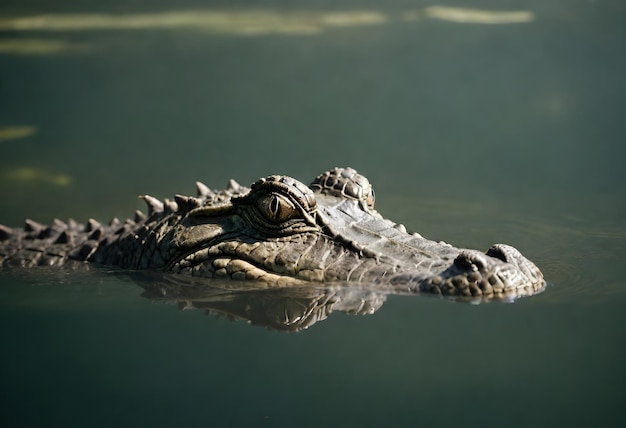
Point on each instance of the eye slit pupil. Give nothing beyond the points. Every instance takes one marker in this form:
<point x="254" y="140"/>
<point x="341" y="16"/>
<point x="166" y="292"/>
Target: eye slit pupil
<point x="275" y="206"/>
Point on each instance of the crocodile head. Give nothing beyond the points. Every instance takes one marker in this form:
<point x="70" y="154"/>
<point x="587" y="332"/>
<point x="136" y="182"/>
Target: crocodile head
<point x="281" y="232"/>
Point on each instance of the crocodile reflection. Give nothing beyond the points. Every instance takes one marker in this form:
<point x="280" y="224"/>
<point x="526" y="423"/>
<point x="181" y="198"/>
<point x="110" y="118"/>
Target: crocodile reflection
<point x="283" y="309"/>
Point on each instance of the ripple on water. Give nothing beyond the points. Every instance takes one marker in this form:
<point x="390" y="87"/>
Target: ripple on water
<point x="580" y="262"/>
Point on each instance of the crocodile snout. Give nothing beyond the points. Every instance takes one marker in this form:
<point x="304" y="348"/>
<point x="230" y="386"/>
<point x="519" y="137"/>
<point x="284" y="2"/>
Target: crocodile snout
<point x="501" y="269"/>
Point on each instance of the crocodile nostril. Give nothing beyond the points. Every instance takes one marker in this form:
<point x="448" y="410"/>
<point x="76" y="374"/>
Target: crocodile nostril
<point x="496" y="252"/>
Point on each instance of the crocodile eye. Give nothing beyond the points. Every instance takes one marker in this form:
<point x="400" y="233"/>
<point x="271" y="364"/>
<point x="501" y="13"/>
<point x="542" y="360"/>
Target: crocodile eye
<point x="276" y="208"/>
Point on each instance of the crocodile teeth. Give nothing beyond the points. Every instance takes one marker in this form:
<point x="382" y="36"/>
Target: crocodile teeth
<point x="169" y="206"/>
<point x="203" y="189"/>
<point x="233" y="186"/>
<point x="154" y="205"/>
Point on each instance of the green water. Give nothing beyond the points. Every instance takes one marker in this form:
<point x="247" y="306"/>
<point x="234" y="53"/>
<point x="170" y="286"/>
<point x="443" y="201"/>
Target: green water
<point x="471" y="132"/>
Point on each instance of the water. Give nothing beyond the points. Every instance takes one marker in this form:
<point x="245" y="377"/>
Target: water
<point x="472" y="133"/>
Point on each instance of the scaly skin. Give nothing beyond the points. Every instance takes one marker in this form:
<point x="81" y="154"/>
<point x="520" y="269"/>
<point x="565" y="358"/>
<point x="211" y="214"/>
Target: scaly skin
<point x="279" y="233"/>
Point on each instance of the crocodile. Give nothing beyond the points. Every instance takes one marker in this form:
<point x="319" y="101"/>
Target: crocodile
<point x="278" y="233"/>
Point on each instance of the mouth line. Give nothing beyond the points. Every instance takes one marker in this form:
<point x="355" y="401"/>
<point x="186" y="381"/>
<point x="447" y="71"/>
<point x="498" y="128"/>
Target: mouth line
<point x="213" y="262"/>
<point x="210" y="262"/>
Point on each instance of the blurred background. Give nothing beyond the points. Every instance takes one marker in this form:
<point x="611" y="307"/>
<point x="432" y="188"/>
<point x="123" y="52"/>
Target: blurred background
<point x="476" y="121"/>
<point x="514" y="103"/>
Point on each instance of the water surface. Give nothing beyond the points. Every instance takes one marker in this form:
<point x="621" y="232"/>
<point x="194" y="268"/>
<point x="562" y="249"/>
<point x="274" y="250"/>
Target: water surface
<point x="502" y="123"/>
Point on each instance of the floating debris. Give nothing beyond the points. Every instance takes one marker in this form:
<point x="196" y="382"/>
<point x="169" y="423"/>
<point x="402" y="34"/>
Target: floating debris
<point x="38" y="47"/>
<point x="14" y="132"/>
<point x="477" y="16"/>
<point x="226" y="22"/>
<point x="27" y="174"/>
<point x="242" y="23"/>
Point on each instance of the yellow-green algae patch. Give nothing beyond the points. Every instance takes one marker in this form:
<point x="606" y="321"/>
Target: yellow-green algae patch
<point x="251" y="22"/>
<point x="38" y="47"/>
<point x="34" y="175"/>
<point x="14" y="132"/>
<point x="470" y="16"/>
<point x="246" y="22"/>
